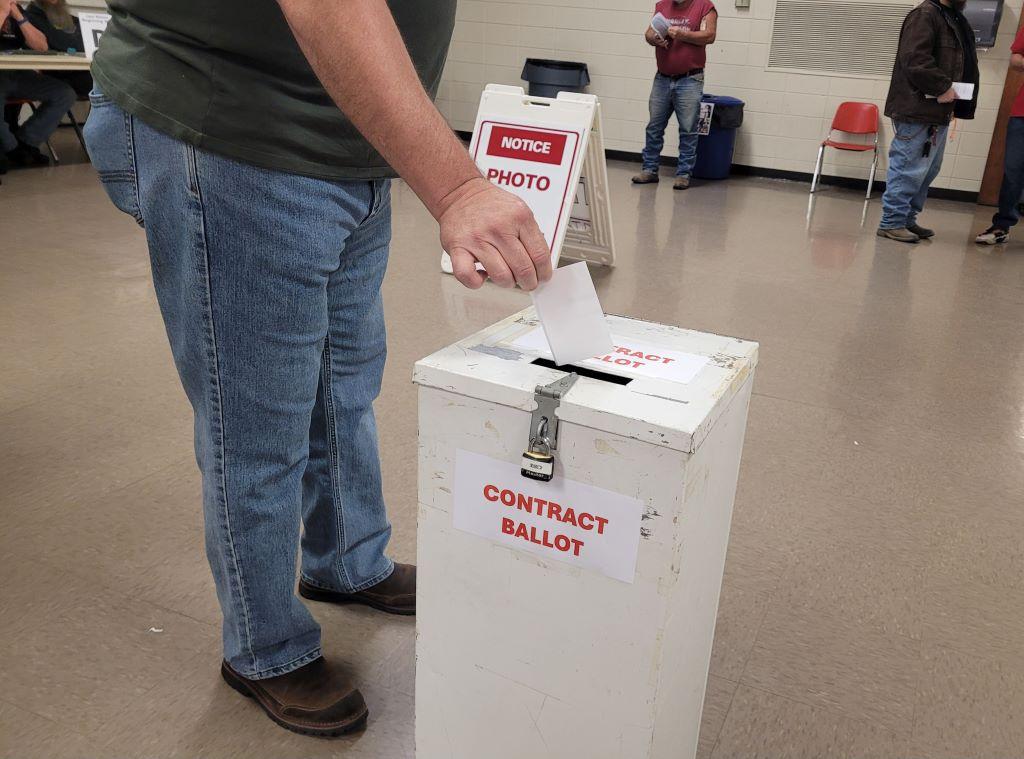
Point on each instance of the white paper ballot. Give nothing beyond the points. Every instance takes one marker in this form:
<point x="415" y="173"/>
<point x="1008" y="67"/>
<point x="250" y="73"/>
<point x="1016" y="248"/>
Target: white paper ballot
<point x="571" y="315"/>
<point x="962" y="91"/>
<point x="660" y="25"/>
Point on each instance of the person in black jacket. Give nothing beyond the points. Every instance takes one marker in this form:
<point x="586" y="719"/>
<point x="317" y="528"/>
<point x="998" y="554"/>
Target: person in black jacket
<point x="63" y="33"/>
<point x="936" y="49"/>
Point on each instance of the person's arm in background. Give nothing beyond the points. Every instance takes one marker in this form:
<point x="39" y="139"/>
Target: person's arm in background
<point x="655" y="39"/>
<point x="356" y="50"/>
<point x="34" y="38"/>
<point x="915" y="52"/>
<point x="703" y="36"/>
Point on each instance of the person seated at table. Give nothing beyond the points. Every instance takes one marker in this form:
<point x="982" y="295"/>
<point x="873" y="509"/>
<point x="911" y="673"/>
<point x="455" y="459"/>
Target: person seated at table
<point x="62" y="33"/>
<point x="21" y="146"/>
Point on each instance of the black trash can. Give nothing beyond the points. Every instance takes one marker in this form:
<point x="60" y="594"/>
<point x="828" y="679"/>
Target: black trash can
<point x="714" y="149"/>
<point x="548" y="78"/>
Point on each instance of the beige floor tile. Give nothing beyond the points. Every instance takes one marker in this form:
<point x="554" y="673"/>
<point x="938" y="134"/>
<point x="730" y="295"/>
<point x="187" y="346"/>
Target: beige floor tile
<point x="83" y="664"/>
<point x="740" y="612"/>
<point x="24" y="735"/>
<point x="975" y="618"/>
<point x="763" y="725"/>
<point x="717" y="700"/>
<point x="836" y="664"/>
<point x="969" y="706"/>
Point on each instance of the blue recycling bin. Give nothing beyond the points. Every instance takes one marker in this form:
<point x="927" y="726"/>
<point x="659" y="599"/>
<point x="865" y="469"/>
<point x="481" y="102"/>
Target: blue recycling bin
<point x="714" y="149"/>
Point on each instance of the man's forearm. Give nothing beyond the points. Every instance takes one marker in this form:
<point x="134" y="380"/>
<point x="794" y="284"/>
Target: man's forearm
<point x="700" y="38"/>
<point x="357" y="52"/>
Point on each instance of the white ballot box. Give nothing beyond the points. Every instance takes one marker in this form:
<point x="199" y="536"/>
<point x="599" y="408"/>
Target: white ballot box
<point x="573" y="617"/>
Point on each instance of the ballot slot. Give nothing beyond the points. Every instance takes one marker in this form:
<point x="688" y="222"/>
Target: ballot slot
<point x="615" y="379"/>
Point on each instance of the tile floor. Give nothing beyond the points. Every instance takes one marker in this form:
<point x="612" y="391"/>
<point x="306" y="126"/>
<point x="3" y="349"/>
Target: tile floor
<point x="874" y="592"/>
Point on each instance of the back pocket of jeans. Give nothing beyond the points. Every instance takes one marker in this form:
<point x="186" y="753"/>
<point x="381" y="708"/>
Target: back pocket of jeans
<point x="108" y="136"/>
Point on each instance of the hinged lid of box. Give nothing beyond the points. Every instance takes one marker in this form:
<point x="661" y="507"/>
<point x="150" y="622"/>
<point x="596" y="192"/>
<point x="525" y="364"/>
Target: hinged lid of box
<point x="663" y="385"/>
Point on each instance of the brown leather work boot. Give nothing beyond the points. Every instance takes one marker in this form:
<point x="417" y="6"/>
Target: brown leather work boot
<point x="645" y="177"/>
<point x="396" y="594"/>
<point x="313" y="700"/>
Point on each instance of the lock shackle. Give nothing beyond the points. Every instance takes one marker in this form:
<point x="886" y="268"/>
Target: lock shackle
<point x="541" y="433"/>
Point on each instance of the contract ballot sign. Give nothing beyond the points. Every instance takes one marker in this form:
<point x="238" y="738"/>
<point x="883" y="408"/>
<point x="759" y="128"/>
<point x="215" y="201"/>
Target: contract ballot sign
<point x="567" y="521"/>
<point x="549" y="152"/>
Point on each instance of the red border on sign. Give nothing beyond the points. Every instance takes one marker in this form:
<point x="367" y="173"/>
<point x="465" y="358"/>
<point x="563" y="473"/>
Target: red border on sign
<point x="575" y="150"/>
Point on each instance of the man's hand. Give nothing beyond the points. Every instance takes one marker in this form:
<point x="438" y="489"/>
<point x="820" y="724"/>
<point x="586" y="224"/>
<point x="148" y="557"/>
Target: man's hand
<point x="948" y="96"/>
<point x="675" y="32"/>
<point x="487" y="224"/>
<point x="654" y="39"/>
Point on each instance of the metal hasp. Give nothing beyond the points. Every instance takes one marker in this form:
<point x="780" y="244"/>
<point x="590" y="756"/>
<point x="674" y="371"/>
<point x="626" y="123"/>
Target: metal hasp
<point x="544" y="422"/>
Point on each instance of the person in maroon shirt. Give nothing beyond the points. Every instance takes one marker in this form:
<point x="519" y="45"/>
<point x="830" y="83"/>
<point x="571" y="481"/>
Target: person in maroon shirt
<point x="679" y="83"/>
<point x="1013" y="161"/>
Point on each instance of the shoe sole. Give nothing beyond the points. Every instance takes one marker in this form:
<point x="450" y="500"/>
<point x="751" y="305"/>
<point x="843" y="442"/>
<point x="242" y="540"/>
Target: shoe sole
<point x="680" y="189"/>
<point x="344" y="599"/>
<point x="355" y="724"/>
<point x="880" y="233"/>
<point x="991" y="242"/>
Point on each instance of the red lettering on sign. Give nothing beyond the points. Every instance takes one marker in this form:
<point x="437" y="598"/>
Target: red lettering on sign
<point x="526" y="145"/>
<point x="490" y="493"/>
<point x="508" y="526"/>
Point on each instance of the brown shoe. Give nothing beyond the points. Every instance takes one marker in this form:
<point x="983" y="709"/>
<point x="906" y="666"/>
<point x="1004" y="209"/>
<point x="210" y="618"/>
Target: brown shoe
<point x="396" y="594"/>
<point x="899" y="235"/>
<point x="681" y="183"/>
<point x="313" y="700"/>
<point x="645" y="177"/>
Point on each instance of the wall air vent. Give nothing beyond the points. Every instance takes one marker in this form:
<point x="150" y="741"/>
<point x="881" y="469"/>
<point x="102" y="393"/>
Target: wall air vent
<point x="843" y="38"/>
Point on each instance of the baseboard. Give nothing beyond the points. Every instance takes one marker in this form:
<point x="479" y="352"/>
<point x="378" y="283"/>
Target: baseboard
<point x="795" y="176"/>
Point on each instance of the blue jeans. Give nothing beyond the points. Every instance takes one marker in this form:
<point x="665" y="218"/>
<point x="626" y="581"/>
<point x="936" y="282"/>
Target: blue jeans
<point x="1013" y="175"/>
<point x="910" y="172"/>
<point x="55" y="98"/>
<point x="269" y="286"/>
<point x="681" y="96"/>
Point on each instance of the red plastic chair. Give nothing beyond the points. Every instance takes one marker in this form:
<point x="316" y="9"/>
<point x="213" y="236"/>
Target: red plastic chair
<point x="852" y="118"/>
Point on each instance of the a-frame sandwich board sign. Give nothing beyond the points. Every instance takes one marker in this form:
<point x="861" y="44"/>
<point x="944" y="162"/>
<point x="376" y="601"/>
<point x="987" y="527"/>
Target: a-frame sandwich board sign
<point x="549" y="152"/>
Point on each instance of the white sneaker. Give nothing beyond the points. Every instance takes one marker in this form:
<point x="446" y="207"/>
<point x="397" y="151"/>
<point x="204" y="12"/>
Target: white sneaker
<point x="992" y="236"/>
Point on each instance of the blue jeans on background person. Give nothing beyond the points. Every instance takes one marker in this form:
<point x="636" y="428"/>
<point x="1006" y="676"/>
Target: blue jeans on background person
<point x="910" y="172"/>
<point x="681" y="96"/>
<point x="1013" y="176"/>
<point x="55" y="98"/>
<point x="269" y="286"/>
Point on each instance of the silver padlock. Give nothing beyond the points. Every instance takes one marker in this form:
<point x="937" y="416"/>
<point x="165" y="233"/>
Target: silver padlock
<point x="538" y="461"/>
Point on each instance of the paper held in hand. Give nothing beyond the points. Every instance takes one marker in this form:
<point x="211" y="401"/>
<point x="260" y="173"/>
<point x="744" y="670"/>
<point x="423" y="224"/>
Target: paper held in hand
<point x="962" y="91"/>
<point x="571" y="315"/>
<point x="660" y="25"/>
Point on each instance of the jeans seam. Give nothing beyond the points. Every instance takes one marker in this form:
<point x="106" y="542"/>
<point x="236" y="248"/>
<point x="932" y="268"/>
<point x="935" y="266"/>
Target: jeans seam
<point x="129" y="128"/>
<point x="219" y="411"/>
<point x="379" y="577"/>
<point x="330" y="420"/>
<point x="284" y="669"/>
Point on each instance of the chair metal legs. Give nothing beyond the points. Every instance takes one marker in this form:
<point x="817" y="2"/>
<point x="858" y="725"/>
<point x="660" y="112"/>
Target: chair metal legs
<point x="817" y="168"/>
<point x="78" y="130"/>
<point x="871" y="176"/>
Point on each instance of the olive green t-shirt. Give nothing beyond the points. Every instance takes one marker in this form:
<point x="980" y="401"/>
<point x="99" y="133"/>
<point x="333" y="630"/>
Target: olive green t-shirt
<point x="228" y="76"/>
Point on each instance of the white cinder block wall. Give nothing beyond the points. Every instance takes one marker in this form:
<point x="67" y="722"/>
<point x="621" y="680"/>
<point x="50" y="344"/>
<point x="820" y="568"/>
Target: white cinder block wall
<point x="786" y="114"/>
